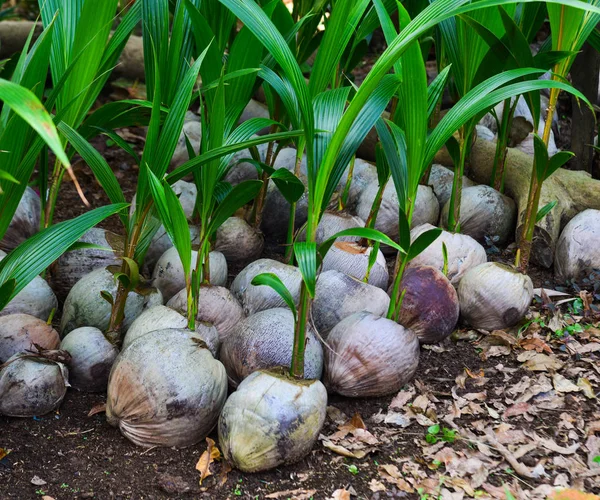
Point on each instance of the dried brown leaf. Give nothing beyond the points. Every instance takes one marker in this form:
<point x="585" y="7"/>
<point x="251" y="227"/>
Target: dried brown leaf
<point x="586" y="387"/>
<point x="211" y="454"/>
<point x="540" y="362"/>
<point x="535" y="344"/>
<point x="375" y="485"/>
<point x="298" y="494"/>
<point x="99" y="408"/>
<point x="563" y="385"/>
<point x="341" y="494"/>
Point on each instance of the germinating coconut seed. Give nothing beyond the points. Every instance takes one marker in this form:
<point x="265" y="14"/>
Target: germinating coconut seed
<point x="494" y="296"/>
<point x="162" y="317"/>
<point x="440" y="180"/>
<point x="25" y="222"/>
<point x="332" y="223"/>
<point x="216" y="306"/>
<point x="20" y="332"/>
<point x="238" y="241"/>
<point x="271" y="420"/>
<point x="353" y="259"/>
<point x="265" y="340"/>
<point x="166" y="389"/>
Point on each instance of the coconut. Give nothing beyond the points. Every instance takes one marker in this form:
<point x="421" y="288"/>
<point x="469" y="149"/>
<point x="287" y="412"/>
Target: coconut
<point x="169" y="278"/>
<point x="92" y="357"/>
<point x="32" y="384"/>
<point x="259" y="298"/>
<point x="239" y="170"/>
<point x="441" y="179"/>
<point x="160" y="244"/>
<point x="216" y="305"/>
<point x="426" y="210"/>
<point x="166" y="389"/>
<point x="36" y="299"/>
<point x="332" y="223"/>
<point x="494" y="296"/>
<point x="186" y="193"/>
<point x="192" y="129"/>
<point x="364" y="174"/>
<point x="85" y="305"/>
<point x="271" y="420"/>
<point x="353" y="260"/>
<point x="238" y="241"/>
<point x="266" y="340"/>
<point x="430" y="305"/>
<point x="463" y="253"/>
<point x="19" y="332"/>
<point x="578" y="247"/>
<point x="25" y="222"/>
<point x="485" y="133"/>
<point x="485" y="214"/>
<point x="164" y="318"/>
<point x="369" y="356"/>
<point x="74" y="265"/>
<point x="339" y="296"/>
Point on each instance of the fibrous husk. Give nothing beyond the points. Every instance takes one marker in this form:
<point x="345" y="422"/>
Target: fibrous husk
<point x="216" y="305"/>
<point x="578" y="247"/>
<point x="74" y="265"/>
<point x="166" y="389"/>
<point x="440" y="180"/>
<point x="239" y="170"/>
<point x="430" y="304"/>
<point x="160" y="244"/>
<point x="271" y="420"/>
<point x="36" y="299"/>
<point x="19" y="332"/>
<point x="494" y="296"/>
<point x="332" y="223"/>
<point x="426" y="210"/>
<point x="339" y="296"/>
<point x="85" y="305"/>
<point x="32" y="385"/>
<point x="258" y="298"/>
<point x="464" y="253"/>
<point x="238" y="241"/>
<point x="192" y="128"/>
<point x="369" y="356"/>
<point x="92" y="357"/>
<point x="265" y="340"/>
<point x="364" y="174"/>
<point x="169" y="278"/>
<point x="484" y="212"/>
<point x="25" y="222"/>
<point x="353" y="259"/>
<point x="164" y="318"/>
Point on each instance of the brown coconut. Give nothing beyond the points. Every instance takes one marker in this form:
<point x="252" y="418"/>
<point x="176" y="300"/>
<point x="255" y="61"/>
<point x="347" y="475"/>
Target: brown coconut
<point x="578" y="247"/>
<point x="494" y="296"/>
<point x="19" y="332"/>
<point x="369" y="356"/>
<point x="238" y="241"/>
<point x="430" y="305"/>
<point x="485" y="213"/>
<point x="463" y="253"/>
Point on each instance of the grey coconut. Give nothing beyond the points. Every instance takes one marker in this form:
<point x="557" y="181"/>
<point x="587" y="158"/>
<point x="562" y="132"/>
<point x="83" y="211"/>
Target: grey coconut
<point x="165" y="389"/>
<point x="353" y="259"/>
<point x="92" y="357"/>
<point x="25" y="222"/>
<point x="238" y="241"/>
<point x="332" y="223"/>
<point x="265" y="340"/>
<point x="271" y="420"/>
<point x="441" y="179"/>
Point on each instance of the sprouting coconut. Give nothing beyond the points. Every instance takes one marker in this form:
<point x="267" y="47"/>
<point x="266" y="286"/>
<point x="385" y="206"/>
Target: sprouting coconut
<point x="19" y="332"/>
<point x="353" y="259"/>
<point x="238" y="241"/>
<point x="332" y="223"/>
<point x="259" y="298"/>
<point x="160" y="244"/>
<point x="74" y="265"/>
<point x="265" y="340"/>
<point x="578" y="247"/>
<point x="92" y="357"/>
<point x="494" y="296"/>
<point x="216" y="305"/>
<point x="485" y="213"/>
<point x="441" y="179"/>
<point x="192" y="129"/>
<point x="369" y="356"/>
<point x="339" y="296"/>
<point x="426" y="210"/>
<point x="33" y="384"/>
<point x="464" y="253"/>
<point x="430" y="304"/>
<point x="239" y="170"/>
<point x="85" y="305"/>
<point x="166" y="389"/>
<point x="169" y="277"/>
<point x="271" y="419"/>
<point x="25" y="221"/>
<point x="364" y="174"/>
<point x="164" y="318"/>
<point x="36" y="299"/>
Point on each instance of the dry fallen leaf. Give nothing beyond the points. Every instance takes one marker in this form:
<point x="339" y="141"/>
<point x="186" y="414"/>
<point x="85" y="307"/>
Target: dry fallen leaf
<point x="564" y="385"/>
<point x="535" y="344"/>
<point x="211" y="454"/>
<point x="375" y="485"/>
<point x="298" y="494"/>
<point x="4" y="452"/>
<point x="570" y="494"/>
<point x="99" y="408"/>
<point x="586" y="387"/>
<point x="401" y="399"/>
<point x="391" y="474"/>
<point x="341" y="494"/>
<point x="540" y="362"/>
<point x="37" y="481"/>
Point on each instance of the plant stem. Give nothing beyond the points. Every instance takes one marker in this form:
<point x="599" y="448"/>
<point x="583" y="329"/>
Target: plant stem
<point x="455" y="199"/>
<point x="289" y="250"/>
<point x="497" y="181"/>
<point x="396" y="302"/>
<point x="297" y="366"/>
<point x="375" y="206"/>
<point x="344" y="197"/>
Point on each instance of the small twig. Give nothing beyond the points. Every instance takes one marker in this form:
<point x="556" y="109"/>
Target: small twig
<point x="518" y="467"/>
<point x="149" y="449"/>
